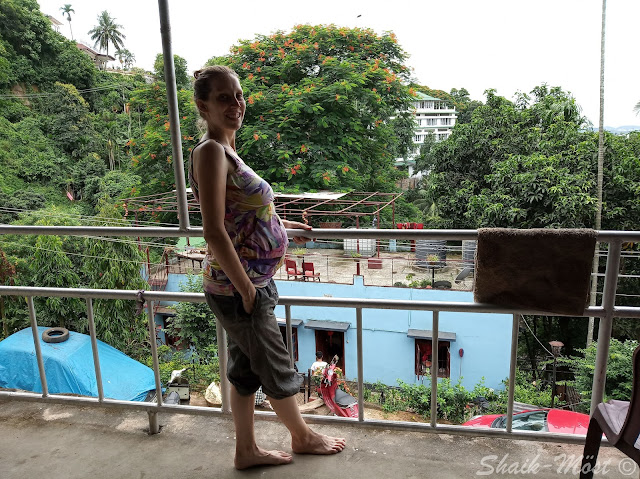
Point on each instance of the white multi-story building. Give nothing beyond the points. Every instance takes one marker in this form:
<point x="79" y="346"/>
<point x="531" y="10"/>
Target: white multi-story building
<point x="433" y="116"/>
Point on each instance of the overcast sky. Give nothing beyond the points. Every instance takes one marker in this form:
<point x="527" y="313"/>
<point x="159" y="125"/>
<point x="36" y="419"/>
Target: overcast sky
<point x="508" y="45"/>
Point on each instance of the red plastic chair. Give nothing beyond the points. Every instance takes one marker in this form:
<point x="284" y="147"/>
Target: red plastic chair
<point x="309" y="272"/>
<point x="292" y="269"/>
<point x="620" y="422"/>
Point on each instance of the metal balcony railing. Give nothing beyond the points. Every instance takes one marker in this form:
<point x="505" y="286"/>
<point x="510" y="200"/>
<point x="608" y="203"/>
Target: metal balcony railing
<point x="606" y="311"/>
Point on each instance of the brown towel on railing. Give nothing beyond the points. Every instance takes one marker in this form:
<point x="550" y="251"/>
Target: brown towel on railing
<point x="537" y="269"/>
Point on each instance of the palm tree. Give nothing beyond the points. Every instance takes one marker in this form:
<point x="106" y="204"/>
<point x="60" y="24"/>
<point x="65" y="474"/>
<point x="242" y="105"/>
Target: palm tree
<point x="67" y="10"/>
<point x="107" y="32"/>
<point x="126" y="58"/>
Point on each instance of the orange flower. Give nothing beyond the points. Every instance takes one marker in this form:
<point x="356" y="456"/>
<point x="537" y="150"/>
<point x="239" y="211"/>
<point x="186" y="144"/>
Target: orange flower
<point x="258" y="69"/>
<point x="184" y="117"/>
<point x="245" y="65"/>
<point x="293" y="171"/>
<point x="251" y="100"/>
<point x="250" y="76"/>
<point x="337" y="97"/>
<point x="256" y="137"/>
<point x="153" y="156"/>
<point x="278" y="136"/>
<point x="345" y="169"/>
<point x="303" y="148"/>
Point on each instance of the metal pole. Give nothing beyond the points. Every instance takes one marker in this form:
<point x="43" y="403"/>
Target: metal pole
<point x="360" y="365"/>
<point x="606" y="322"/>
<point x="154" y="428"/>
<point x="36" y="343"/>
<point x="512" y="370"/>
<point x="553" y="385"/>
<point x="94" y="349"/>
<point x="287" y="310"/>
<point x="434" y="368"/>
<point x="174" y="114"/>
<point x="225" y="385"/>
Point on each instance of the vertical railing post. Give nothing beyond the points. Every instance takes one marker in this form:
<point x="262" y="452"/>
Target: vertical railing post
<point x="94" y="348"/>
<point x="434" y="368"/>
<point x="287" y="310"/>
<point x="225" y="385"/>
<point x="512" y="369"/>
<point x="154" y="428"/>
<point x="36" y="344"/>
<point x="606" y="322"/>
<point x="360" y="364"/>
<point x="174" y="114"/>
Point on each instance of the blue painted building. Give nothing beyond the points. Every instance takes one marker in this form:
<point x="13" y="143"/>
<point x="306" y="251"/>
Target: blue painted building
<point x="396" y="343"/>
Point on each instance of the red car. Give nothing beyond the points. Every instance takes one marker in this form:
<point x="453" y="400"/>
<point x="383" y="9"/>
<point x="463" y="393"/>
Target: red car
<point x="546" y="420"/>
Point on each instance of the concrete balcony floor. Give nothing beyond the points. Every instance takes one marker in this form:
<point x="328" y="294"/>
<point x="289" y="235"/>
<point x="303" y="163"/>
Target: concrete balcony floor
<point x="39" y="441"/>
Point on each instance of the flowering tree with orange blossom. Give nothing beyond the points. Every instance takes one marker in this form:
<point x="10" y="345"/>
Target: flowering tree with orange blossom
<point x="150" y="154"/>
<point x="326" y="107"/>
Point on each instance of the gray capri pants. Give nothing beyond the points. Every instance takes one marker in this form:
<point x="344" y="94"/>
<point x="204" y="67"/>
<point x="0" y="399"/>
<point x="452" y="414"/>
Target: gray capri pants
<point x="257" y="353"/>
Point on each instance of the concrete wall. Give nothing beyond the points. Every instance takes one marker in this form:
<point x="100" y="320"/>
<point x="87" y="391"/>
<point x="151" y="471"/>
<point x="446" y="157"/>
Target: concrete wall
<point x="388" y="353"/>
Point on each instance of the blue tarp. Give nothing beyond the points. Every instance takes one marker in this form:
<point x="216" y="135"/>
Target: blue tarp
<point x="69" y="367"/>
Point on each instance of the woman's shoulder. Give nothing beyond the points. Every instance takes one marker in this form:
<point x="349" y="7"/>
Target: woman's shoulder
<point x="209" y="147"/>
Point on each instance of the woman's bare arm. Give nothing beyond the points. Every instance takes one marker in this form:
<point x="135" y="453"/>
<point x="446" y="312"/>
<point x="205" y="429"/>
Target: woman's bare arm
<point x="296" y="225"/>
<point x="210" y="169"/>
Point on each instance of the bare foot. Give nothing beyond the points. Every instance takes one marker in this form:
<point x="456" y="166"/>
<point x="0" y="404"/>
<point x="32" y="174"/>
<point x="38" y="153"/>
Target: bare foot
<point x="261" y="457"/>
<point x="316" y="443"/>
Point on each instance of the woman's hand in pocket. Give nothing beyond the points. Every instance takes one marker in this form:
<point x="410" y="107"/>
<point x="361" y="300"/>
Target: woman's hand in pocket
<point x="249" y="301"/>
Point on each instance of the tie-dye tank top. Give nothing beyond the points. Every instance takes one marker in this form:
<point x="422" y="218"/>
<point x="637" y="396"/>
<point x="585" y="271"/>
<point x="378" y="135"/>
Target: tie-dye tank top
<point x="251" y="221"/>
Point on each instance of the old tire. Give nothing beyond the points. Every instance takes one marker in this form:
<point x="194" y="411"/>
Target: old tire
<point x="55" y="335"/>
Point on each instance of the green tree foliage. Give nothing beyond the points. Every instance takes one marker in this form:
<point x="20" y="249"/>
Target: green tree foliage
<point x="27" y="156"/>
<point x="323" y="107"/>
<point x="183" y="79"/>
<point x="115" y="263"/>
<point x="51" y="267"/>
<point x="114" y="185"/>
<point x="107" y="31"/>
<point x="151" y="153"/>
<point x="33" y="54"/>
<point x="66" y="120"/>
<point x="7" y="272"/>
<point x="515" y="165"/>
<point x="194" y="323"/>
<point x="619" y="383"/>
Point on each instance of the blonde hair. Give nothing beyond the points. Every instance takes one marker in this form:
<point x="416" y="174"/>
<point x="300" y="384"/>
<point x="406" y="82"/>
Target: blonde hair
<point x="205" y="77"/>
